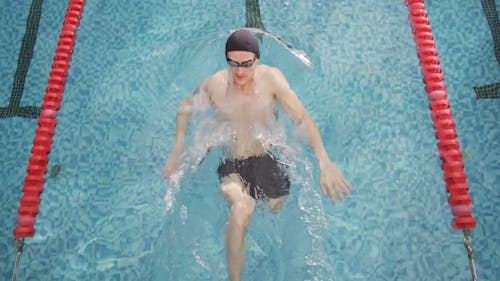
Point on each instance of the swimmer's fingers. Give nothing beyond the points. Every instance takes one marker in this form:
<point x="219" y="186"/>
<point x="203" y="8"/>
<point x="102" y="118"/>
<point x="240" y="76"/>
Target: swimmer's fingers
<point x="346" y="186"/>
<point x="338" y="190"/>
<point x="328" y="190"/>
<point x="171" y="164"/>
<point x="326" y="185"/>
<point x="332" y="192"/>
<point x="342" y="186"/>
<point x="323" y="185"/>
<point x="334" y="184"/>
<point x="166" y="173"/>
<point x="168" y="170"/>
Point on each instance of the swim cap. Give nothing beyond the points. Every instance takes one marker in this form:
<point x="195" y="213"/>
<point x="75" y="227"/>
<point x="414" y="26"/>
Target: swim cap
<point x="242" y="40"/>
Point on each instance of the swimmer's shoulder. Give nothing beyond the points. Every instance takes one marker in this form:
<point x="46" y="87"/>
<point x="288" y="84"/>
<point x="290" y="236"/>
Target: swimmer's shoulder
<point x="271" y="72"/>
<point x="272" y="76"/>
<point x="214" y="83"/>
<point x="217" y="79"/>
<point x="265" y="69"/>
<point x="219" y="76"/>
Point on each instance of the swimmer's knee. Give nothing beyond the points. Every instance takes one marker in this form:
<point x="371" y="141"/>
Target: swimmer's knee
<point x="232" y="191"/>
<point x="242" y="211"/>
<point x="277" y="204"/>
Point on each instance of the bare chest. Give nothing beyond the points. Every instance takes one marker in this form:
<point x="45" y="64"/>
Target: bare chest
<point x="246" y="108"/>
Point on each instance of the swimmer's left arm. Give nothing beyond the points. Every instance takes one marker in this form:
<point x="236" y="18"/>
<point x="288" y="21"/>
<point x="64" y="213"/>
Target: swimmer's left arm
<point x="332" y="181"/>
<point x="296" y="110"/>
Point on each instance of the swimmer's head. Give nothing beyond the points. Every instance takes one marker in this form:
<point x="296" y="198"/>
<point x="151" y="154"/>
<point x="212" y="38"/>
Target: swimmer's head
<point x="242" y="55"/>
<point x="242" y="40"/>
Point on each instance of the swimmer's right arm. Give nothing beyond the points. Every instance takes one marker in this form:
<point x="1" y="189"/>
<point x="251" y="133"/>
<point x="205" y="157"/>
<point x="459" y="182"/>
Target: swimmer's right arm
<point x="181" y="124"/>
<point x="183" y="116"/>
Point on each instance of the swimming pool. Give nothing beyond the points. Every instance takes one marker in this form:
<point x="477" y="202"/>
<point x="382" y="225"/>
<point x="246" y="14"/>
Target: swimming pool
<point x="103" y="217"/>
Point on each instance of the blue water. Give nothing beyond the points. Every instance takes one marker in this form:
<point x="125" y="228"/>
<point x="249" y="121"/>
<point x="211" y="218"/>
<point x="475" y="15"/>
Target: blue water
<point x="103" y="217"/>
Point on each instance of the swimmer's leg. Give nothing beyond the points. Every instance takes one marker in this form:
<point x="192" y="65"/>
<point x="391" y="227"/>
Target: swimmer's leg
<point x="242" y="207"/>
<point x="277" y="203"/>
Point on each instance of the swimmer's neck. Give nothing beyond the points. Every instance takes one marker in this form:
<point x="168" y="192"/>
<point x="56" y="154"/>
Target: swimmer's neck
<point x="246" y="88"/>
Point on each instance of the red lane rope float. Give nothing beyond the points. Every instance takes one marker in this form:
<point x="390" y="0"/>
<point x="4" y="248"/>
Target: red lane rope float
<point x="37" y="163"/>
<point x="442" y="117"/>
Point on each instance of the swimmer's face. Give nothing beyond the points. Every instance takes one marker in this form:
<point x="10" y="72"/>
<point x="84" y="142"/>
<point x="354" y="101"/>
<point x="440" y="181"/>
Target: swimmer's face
<point x="242" y="65"/>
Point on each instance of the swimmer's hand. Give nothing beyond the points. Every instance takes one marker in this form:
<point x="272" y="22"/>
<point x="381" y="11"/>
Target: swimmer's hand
<point x="333" y="182"/>
<point x="171" y="164"/>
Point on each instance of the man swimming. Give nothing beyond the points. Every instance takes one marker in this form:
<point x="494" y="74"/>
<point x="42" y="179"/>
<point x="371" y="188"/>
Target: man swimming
<point x="244" y="95"/>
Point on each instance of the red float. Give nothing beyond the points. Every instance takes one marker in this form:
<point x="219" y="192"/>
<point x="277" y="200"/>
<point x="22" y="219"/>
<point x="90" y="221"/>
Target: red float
<point x="442" y="117"/>
<point x="37" y="164"/>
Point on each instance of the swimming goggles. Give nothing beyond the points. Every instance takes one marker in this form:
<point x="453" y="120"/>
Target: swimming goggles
<point x="245" y="64"/>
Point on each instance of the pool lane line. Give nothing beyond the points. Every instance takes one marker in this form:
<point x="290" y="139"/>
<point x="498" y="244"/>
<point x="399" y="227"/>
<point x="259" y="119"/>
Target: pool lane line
<point x="37" y="163"/>
<point x="23" y="63"/>
<point x="445" y="131"/>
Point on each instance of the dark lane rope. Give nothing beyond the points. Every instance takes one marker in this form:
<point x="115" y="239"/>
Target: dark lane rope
<point x="491" y="91"/>
<point x="491" y="14"/>
<point x="23" y="63"/>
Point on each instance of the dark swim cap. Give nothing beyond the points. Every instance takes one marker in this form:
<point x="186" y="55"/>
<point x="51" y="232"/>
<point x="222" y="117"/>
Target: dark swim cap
<point x="242" y="40"/>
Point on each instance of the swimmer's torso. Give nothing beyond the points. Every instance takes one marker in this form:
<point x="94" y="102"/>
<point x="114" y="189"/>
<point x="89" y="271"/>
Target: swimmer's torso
<point x="246" y="111"/>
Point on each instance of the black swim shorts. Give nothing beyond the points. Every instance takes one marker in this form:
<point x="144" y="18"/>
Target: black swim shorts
<point x="264" y="175"/>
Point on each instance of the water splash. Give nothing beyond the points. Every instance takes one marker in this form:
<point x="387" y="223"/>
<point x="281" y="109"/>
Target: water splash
<point x="287" y="145"/>
<point x="208" y="133"/>
<point x="300" y="54"/>
<point x="310" y="203"/>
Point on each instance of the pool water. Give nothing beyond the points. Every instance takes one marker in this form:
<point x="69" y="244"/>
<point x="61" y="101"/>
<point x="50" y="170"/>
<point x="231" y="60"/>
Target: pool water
<point x="103" y="217"/>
